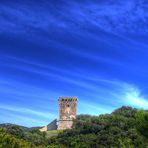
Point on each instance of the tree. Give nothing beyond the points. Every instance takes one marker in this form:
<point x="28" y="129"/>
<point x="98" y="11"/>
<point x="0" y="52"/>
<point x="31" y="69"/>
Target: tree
<point x="142" y="122"/>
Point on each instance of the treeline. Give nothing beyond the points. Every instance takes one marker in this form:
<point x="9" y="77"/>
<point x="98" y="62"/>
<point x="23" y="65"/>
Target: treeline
<point x="21" y="137"/>
<point x="126" y="127"/>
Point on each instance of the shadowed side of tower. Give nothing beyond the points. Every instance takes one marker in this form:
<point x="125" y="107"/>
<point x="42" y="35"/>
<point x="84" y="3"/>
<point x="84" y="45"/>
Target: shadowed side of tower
<point x="67" y="112"/>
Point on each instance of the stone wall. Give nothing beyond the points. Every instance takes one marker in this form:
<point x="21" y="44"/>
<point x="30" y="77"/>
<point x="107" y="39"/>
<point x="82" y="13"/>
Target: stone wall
<point x="43" y="129"/>
<point x="51" y="126"/>
<point x="65" y="124"/>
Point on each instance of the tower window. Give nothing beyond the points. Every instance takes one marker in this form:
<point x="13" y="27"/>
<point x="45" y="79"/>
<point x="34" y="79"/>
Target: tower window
<point x="67" y="105"/>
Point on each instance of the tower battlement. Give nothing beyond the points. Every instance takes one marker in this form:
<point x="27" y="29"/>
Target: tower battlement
<point x="68" y="99"/>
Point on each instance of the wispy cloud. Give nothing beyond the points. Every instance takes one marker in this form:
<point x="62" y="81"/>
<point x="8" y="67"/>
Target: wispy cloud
<point x="113" y="94"/>
<point x="107" y="96"/>
<point x="119" y="16"/>
<point x="132" y="96"/>
<point x="91" y="108"/>
<point x="22" y="113"/>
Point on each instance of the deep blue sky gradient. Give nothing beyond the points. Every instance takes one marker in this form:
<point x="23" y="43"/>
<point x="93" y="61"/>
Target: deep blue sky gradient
<point x="95" y="50"/>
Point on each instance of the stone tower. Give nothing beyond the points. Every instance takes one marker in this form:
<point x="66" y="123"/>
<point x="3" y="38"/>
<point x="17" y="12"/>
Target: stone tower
<point x="67" y="111"/>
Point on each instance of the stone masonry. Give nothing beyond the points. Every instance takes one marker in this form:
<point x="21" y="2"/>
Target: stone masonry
<point x="67" y="112"/>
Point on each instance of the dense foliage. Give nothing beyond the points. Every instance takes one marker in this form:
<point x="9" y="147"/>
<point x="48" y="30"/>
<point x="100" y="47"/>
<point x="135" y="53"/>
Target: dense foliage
<point x="124" y="128"/>
<point x="10" y="141"/>
<point x="32" y="135"/>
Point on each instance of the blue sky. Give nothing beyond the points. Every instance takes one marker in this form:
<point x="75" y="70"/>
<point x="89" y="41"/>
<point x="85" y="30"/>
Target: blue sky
<point x="95" y="50"/>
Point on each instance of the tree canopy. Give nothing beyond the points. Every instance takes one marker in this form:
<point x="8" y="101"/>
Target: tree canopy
<point x="126" y="127"/>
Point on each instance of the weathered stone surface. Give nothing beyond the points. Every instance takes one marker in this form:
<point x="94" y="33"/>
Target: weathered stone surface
<point x="68" y="111"/>
<point x="65" y="124"/>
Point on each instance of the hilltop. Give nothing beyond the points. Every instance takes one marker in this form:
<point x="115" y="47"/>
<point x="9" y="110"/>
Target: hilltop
<point x="126" y="127"/>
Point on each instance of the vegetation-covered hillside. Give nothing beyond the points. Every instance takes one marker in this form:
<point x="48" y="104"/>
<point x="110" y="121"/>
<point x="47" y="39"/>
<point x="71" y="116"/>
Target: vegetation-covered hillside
<point x="124" y="128"/>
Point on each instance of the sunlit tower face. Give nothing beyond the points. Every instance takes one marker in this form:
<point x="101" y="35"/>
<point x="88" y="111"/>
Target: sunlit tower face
<point x="67" y="111"/>
<point x="68" y="108"/>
